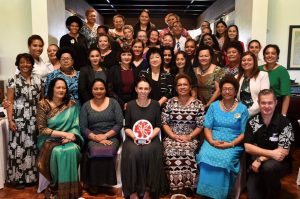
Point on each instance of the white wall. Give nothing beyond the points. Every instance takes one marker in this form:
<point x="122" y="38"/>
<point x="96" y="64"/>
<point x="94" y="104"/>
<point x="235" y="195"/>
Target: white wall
<point x="282" y="14"/>
<point x="56" y="20"/>
<point x="15" y="23"/>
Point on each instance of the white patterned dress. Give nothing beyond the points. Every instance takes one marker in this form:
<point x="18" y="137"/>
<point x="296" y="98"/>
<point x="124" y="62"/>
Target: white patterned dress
<point x="22" y="149"/>
<point x="180" y="163"/>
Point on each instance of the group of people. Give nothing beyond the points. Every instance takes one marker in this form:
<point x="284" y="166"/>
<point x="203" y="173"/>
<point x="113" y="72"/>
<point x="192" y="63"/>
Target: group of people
<point x="100" y="81"/>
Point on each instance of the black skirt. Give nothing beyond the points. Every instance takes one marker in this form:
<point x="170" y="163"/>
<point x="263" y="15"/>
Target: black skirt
<point x="142" y="168"/>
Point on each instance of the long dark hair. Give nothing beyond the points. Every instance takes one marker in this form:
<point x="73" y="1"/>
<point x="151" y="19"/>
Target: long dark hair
<point x="255" y="70"/>
<point x="187" y="68"/>
<point x="50" y="92"/>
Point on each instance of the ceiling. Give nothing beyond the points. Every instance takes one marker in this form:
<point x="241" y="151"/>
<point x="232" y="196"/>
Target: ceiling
<point x="188" y="8"/>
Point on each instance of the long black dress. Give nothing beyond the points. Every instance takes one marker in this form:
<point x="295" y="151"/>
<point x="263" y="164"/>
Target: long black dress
<point x="142" y="166"/>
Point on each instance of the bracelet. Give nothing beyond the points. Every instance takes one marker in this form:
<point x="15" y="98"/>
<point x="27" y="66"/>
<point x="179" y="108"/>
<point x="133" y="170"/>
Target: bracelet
<point x="232" y="144"/>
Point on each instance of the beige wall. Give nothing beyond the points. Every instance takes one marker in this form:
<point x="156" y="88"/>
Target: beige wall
<point x="16" y="27"/>
<point x="282" y="14"/>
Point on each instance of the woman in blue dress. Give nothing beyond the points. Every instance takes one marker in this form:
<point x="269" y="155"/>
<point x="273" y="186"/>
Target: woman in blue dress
<point x="219" y="156"/>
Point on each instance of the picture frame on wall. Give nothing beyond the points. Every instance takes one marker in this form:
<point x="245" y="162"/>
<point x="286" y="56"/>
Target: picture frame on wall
<point x="293" y="60"/>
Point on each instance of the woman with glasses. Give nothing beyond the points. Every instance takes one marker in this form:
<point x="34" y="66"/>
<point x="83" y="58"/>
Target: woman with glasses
<point x="66" y="71"/>
<point x="219" y="156"/>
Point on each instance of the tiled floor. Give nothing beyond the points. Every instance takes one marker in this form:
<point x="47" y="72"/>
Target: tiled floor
<point x="289" y="188"/>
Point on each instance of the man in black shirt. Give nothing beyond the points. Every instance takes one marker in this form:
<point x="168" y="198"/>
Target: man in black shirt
<point x="268" y="139"/>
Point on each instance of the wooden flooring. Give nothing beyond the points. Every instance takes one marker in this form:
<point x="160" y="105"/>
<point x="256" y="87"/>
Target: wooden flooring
<point x="290" y="190"/>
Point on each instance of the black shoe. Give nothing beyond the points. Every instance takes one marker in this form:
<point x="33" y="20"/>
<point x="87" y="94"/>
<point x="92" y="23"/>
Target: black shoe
<point x="20" y="186"/>
<point x="93" y="190"/>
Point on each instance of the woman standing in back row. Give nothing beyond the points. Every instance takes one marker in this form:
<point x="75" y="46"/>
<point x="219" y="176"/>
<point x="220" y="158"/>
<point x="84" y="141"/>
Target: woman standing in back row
<point x="279" y="78"/>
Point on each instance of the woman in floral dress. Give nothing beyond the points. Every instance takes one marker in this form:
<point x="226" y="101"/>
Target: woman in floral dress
<point x="23" y="91"/>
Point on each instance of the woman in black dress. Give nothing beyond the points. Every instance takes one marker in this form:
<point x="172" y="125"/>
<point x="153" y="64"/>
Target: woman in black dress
<point x="161" y="82"/>
<point x="142" y="169"/>
<point x="76" y="41"/>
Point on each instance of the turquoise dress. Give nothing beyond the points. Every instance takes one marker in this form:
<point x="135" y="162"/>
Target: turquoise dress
<point x="218" y="167"/>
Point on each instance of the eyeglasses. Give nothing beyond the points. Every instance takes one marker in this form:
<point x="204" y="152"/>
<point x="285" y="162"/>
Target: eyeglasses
<point x="230" y="90"/>
<point x="66" y="59"/>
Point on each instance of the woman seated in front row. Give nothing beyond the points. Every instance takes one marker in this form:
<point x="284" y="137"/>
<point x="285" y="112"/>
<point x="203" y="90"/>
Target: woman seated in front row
<point x="59" y="141"/>
<point x="182" y="119"/>
<point x="101" y="120"/>
<point x="142" y="170"/>
<point x="219" y="156"/>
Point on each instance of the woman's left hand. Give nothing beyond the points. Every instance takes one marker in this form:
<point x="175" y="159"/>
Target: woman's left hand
<point x="185" y="138"/>
<point x="106" y="142"/>
<point x="223" y="145"/>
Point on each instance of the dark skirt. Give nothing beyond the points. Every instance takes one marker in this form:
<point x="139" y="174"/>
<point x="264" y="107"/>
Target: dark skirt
<point x="142" y="168"/>
<point x="101" y="171"/>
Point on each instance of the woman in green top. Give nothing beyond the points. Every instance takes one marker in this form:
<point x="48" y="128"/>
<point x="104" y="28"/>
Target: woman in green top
<point x="279" y="77"/>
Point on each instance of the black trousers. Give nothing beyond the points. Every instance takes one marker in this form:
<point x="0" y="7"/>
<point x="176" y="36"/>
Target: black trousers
<point x="266" y="183"/>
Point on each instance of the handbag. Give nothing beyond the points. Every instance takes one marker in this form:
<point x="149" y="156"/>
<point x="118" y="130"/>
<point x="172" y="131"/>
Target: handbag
<point x="43" y="158"/>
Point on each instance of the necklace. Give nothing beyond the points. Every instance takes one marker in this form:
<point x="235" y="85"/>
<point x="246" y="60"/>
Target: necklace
<point x="203" y="71"/>
<point x="229" y="108"/>
<point x="68" y="73"/>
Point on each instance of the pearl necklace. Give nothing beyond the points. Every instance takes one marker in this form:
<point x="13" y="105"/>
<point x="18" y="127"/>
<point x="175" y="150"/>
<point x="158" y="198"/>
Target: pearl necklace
<point x="230" y="108"/>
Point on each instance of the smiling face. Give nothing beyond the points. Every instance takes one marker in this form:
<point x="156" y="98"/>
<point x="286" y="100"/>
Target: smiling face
<point x="98" y="90"/>
<point x="91" y="18"/>
<point x="267" y="104"/>
<point x="51" y="51"/>
<point x="59" y="90"/>
<point x="220" y="28"/>
<point x="25" y="66"/>
<point x="183" y="87"/>
<point x="208" y="40"/>
<point x="247" y="63"/>
<point x="137" y="49"/>
<point x="142" y="35"/>
<point x="232" y="33"/>
<point x="171" y="19"/>
<point x="271" y="55"/>
<point x="66" y="61"/>
<point x="168" y="41"/>
<point x="228" y="91"/>
<point x="118" y="23"/>
<point x="255" y="48"/>
<point x="155" y="60"/>
<point x="143" y="89"/>
<point x="74" y="28"/>
<point x="180" y="61"/>
<point x="103" y="43"/>
<point x="204" y="58"/>
<point x="144" y="18"/>
<point x="126" y="58"/>
<point x="233" y="55"/>
<point x="153" y="37"/>
<point x="95" y="57"/>
<point x="189" y="48"/>
<point x="128" y="34"/>
<point x="177" y="28"/>
<point x="167" y="56"/>
<point x="36" y="48"/>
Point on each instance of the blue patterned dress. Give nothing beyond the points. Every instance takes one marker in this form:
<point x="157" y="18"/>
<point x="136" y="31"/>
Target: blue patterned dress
<point x="219" y="167"/>
<point x="71" y="81"/>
